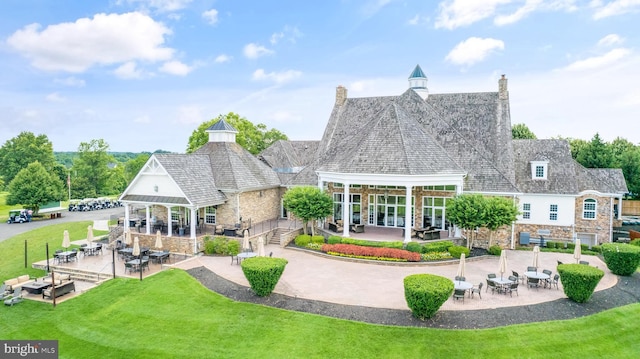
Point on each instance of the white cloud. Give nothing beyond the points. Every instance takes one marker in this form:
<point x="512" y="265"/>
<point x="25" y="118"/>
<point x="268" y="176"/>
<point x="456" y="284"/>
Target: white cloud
<point x="103" y="40"/>
<point x="55" y="97"/>
<point x="290" y="33"/>
<point x="473" y="49"/>
<point x="275" y="37"/>
<point x="211" y="16"/>
<point x="160" y="5"/>
<point x="277" y="77"/>
<point x="457" y="13"/>
<point x="418" y="20"/>
<point x="223" y="58"/>
<point x="253" y="51"/>
<point x="611" y="39"/>
<point x="70" y="81"/>
<point x="529" y="7"/>
<point x="596" y="62"/>
<point x="613" y="8"/>
<point x="190" y="115"/>
<point x="128" y="71"/>
<point x="176" y="68"/>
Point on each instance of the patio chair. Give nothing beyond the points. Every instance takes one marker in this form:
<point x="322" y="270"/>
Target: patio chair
<point x="477" y="289"/>
<point x="513" y="278"/>
<point x="491" y="285"/>
<point x="532" y="269"/>
<point x="554" y="281"/>
<point x="219" y="229"/>
<point x="533" y="282"/>
<point x="16" y="297"/>
<point x="463" y="279"/>
<point x="513" y="287"/>
<point x="234" y="257"/>
<point x="459" y="294"/>
<point x="584" y="262"/>
<point x="548" y="280"/>
<point x="491" y="275"/>
<point x="128" y="267"/>
<point x="520" y="278"/>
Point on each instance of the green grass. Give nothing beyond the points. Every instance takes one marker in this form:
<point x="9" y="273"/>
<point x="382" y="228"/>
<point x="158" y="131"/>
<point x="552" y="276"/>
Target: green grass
<point x="171" y="315"/>
<point x="4" y="208"/>
<point x="12" y="249"/>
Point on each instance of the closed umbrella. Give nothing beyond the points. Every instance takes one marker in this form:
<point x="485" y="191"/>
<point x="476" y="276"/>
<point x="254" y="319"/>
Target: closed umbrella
<point x="503" y="263"/>
<point x="66" y="242"/>
<point x="158" y="240"/>
<point x="577" y="251"/>
<point x="127" y="238"/>
<point x="89" y="234"/>
<point x="536" y="257"/>
<point x="245" y="242"/>
<point x="461" y="266"/>
<point x="261" y="247"/>
<point x="136" y="247"/>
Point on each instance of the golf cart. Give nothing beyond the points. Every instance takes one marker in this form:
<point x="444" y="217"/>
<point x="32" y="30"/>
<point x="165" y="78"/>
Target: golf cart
<point x="17" y="216"/>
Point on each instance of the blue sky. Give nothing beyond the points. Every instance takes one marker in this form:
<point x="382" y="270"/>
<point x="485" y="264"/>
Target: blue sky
<point x="143" y="74"/>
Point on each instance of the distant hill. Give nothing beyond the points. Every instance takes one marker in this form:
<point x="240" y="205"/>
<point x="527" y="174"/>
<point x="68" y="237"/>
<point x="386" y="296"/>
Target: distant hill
<point x="66" y="158"/>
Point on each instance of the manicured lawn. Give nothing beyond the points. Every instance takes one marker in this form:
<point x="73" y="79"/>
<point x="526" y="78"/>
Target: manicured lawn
<point x="171" y="315"/>
<point x="4" y="208"/>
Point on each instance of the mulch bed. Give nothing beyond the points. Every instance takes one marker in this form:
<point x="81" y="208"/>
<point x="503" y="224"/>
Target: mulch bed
<point x="626" y="291"/>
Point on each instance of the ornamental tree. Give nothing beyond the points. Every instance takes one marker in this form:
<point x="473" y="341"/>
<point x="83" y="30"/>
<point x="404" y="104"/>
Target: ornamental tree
<point x="467" y="211"/>
<point x="34" y="186"/>
<point x="499" y="212"/>
<point x="308" y="203"/>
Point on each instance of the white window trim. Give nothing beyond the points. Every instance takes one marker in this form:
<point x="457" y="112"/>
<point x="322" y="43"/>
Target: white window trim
<point x="594" y="210"/>
<point x="527" y="211"/>
<point x="545" y="169"/>
<point x="551" y="212"/>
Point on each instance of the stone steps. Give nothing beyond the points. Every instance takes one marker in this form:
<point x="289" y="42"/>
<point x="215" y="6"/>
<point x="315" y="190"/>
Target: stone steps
<point x="76" y="274"/>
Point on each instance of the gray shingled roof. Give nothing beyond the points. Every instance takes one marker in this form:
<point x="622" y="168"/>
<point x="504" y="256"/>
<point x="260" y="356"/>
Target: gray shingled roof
<point x="221" y="125"/>
<point x="289" y="154"/>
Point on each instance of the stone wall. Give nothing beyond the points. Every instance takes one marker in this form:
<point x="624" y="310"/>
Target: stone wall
<point x="599" y="225"/>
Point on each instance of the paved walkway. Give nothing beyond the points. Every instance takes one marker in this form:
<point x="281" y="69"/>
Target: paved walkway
<point x="366" y="284"/>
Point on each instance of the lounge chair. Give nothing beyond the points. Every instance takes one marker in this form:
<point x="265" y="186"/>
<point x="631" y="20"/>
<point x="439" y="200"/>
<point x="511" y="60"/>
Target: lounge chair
<point x="16" y="297"/>
<point x="4" y="292"/>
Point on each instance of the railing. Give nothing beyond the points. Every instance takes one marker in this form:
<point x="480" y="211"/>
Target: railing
<point x="103" y="268"/>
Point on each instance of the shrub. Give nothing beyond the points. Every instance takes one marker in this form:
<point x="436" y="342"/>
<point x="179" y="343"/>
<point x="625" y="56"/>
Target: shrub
<point x="494" y="250"/>
<point x="456" y="251"/>
<point x="263" y="273"/>
<point x="571" y="246"/>
<point x="435" y="256"/>
<point x="437" y="247"/>
<point x="334" y="239"/>
<point x="579" y="280"/>
<point x="635" y="242"/>
<point x="351" y="250"/>
<point x="621" y="259"/>
<point x="425" y="294"/>
<point x="302" y="240"/>
<point x="365" y="243"/>
<point x="233" y="247"/>
<point x="414" y="247"/>
<point x="553" y="244"/>
<point x="221" y="245"/>
<point x="317" y="239"/>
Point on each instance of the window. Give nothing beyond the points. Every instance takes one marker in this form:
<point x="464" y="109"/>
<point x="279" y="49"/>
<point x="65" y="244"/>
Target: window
<point x="175" y="214"/>
<point x="526" y="211"/>
<point x="433" y="212"/>
<point x="337" y="206"/>
<point x="589" y="208"/>
<point x="553" y="212"/>
<point x="355" y="186"/>
<point x="539" y="170"/>
<point x="210" y="215"/>
<point x="439" y="188"/>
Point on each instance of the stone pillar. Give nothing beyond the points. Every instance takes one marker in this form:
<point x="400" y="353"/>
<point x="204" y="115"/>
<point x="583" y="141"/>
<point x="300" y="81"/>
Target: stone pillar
<point x="408" y="213"/>
<point x="345" y="210"/>
<point x="341" y="95"/>
<point x="148" y="219"/>
<point x="503" y="94"/>
<point x="126" y="217"/>
<point x="169" y="222"/>
<point x="192" y="229"/>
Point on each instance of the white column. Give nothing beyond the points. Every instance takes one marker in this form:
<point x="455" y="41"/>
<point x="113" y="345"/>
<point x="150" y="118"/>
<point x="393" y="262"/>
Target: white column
<point x="407" y="215"/>
<point x="194" y="219"/>
<point x="148" y="219"/>
<point x="126" y="217"/>
<point x="346" y="221"/>
<point x="169" y="222"/>
<point x="457" y="232"/>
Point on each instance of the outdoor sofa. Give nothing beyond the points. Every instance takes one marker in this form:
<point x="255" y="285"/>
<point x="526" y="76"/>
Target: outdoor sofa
<point x="17" y="282"/>
<point x="60" y="289"/>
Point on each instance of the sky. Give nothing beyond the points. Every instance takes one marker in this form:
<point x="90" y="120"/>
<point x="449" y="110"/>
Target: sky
<point x="144" y="74"/>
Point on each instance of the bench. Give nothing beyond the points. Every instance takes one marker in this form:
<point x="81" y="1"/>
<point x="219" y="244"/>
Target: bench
<point x="60" y="289"/>
<point x="17" y="282"/>
<point x="336" y="226"/>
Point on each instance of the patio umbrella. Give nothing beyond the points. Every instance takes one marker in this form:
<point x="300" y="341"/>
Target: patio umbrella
<point x="577" y="251"/>
<point x="136" y="247"/>
<point x="66" y="242"/>
<point x="503" y="263"/>
<point x="89" y="234"/>
<point x="261" y="247"/>
<point x="245" y="242"/>
<point x="127" y="238"/>
<point x="158" y="240"/>
<point x="461" y="266"/>
<point x="536" y="257"/>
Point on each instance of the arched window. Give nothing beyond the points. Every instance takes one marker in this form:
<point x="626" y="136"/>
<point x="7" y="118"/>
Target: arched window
<point x="589" y="209"/>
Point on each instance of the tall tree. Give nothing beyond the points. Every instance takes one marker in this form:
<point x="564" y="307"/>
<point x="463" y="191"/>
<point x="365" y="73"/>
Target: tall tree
<point x="500" y="211"/>
<point x="34" y="186"/>
<point x="596" y="154"/>
<point x="253" y="138"/>
<point x="467" y="211"/>
<point x="92" y="163"/>
<point x="308" y="203"/>
<point x="22" y="150"/>
<point x="133" y="166"/>
<point x="520" y="131"/>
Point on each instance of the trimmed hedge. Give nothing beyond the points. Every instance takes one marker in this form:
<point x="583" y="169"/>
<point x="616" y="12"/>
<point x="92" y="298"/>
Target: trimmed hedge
<point x="425" y="294"/>
<point x="436" y="247"/>
<point x="351" y="250"/>
<point x="579" y="280"/>
<point x="456" y="251"/>
<point x="414" y="247"/>
<point x="494" y="250"/>
<point x="302" y="240"/>
<point x="317" y="239"/>
<point x="635" y="242"/>
<point x="334" y="239"/>
<point x="221" y="245"/>
<point x="263" y="273"/>
<point x="365" y="243"/>
<point x="621" y="259"/>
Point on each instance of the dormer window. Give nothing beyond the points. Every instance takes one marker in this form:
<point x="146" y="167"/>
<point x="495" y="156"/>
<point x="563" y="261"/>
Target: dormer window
<point x="539" y="170"/>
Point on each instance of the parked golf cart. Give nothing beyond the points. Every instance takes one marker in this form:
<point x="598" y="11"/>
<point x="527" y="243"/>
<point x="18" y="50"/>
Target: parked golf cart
<point x="73" y="205"/>
<point x="17" y="216"/>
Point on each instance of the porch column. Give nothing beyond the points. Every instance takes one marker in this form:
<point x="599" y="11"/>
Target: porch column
<point x="126" y="217"/>
<point x="345" y="210"/>
<point x="148" y="220"/>
<point x="169" y="222"/>
<point x="408" y="213"/>
<point x="457" y="232"/>
<point x="192" y="229"/>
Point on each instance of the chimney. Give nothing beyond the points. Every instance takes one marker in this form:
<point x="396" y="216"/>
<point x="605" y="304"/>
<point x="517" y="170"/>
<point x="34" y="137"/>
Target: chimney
<point x="341" y="95"/>
<point x="503" y="94"/>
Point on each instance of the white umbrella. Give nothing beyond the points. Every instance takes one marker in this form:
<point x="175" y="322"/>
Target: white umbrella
<point x="158" y="240"/>
<point x="127" y="238"/>
<point x="577" y="251"/>
<point x="261" y="247"/>
<point x="136" y="247"/>
<point x="503" y="263"/>
<point x="461" y="266"/>
<point x="245" y="242"/>
<point x="66" y="242"/>
<point x="89" y="234"/>
<point x="536" y="257"/>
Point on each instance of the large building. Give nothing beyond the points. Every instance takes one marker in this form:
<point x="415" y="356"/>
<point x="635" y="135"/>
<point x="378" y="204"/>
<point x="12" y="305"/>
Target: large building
<point x="395" y="160"/>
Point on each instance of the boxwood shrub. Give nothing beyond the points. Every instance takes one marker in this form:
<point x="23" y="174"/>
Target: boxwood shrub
<point x="579" y="280"/>
<point x="456" y="251"/>
<point x="302" y="240"/>
<point x="635" y="242"/>
<point x="621" y="258"/>
<point x="219" y="245"/>
<point x="414" y="247"/>
<point x="366" y="243"/>
<point x="425" y="294"/>
<point x="494" y="250"/>
<point x="334" y="239"/>
<point x="437" y="247"/>
<point x="263" y="273"/>
<point x="317" y="239"/>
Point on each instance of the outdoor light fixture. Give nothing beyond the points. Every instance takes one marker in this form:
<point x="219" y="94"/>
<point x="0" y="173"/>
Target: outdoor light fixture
<point x="155" y="188"/>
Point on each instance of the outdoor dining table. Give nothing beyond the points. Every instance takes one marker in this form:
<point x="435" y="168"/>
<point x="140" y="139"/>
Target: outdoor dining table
<point x="90" y="249"/>
<point x="501" y="283"/>
<point x="136" y="263"/>
<point x="538" y="275"/>
<point x="459" y="284"/>
<point x="158" y="257"/>
<point x="65" y="255"/>
<point x="245" y="255"/>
